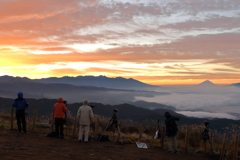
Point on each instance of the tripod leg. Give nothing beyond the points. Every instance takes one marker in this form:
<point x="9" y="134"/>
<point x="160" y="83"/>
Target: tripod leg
<point x="103" y="132"/>
<point x="119" y="133"/>
<point x="211" y="150"/>
<point x="197" y="143"/>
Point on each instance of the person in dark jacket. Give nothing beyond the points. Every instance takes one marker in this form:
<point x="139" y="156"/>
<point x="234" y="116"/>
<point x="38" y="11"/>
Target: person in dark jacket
<point x="171" y="131"/>
<point x="21" y="105"/>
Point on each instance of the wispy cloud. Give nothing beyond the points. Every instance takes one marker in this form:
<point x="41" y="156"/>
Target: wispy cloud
<point x="208" y="115"/>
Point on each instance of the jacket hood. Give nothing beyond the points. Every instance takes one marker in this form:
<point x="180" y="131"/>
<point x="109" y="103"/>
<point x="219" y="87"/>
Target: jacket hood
<point x="60" y="100"/>
<point x="167" y="114"/>
<point x="20" y="95"/>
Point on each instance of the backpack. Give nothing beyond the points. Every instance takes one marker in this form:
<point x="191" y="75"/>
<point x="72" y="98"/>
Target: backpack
<point x="52" y="134"/>
<point x="103" y="138"/>
<point x="172" y="125"/>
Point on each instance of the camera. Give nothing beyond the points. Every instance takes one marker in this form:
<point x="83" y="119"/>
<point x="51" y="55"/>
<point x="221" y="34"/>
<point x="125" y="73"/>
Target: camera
<point x="115" y="110"/>
<point x="92" y="106"/>
<point x="206" y="124"/>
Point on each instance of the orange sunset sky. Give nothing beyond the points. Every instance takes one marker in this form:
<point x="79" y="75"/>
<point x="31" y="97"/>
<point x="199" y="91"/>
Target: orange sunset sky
<point x="160" y="42"/>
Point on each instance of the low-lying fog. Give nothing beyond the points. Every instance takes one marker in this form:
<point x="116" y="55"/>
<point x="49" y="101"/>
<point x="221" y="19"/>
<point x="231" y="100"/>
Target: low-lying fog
<point x="210" y="101"/>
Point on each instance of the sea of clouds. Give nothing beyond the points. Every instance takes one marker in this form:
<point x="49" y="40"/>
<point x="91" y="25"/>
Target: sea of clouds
<point x="211" y="101"/>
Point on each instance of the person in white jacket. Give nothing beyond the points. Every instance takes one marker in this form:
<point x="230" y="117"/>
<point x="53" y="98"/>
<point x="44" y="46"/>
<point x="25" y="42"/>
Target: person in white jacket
<point x="85" y="117"/>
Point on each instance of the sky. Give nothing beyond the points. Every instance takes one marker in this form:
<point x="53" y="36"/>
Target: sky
<point x="159" y="42"/>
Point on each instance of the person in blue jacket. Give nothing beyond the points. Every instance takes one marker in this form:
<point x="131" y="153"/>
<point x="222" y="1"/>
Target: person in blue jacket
<point x="21" y="105"/>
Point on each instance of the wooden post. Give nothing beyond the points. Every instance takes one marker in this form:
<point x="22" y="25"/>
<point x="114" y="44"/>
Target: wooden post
<point x="96" y="130"/>
<point x="186" y="141"/>
<point x="140" y="132"/>
<point x="12" y="111"/>
<point x="162" y="137"/>
<point x="235" y="153"/>
<point x="34" y="120"/>
<point x="223" y="147"/>
<point x="211" y="142"/>
<point x="53" y="121"/>
<point x="74" y="127"/>
<point x="119" y="131"/>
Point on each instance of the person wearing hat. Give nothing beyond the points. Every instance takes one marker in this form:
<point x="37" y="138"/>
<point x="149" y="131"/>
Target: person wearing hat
<point x="85" y="117"/>
<point x="171" y="131"/>
<point x="20" y="104"/>
<point x="59" y="110"/>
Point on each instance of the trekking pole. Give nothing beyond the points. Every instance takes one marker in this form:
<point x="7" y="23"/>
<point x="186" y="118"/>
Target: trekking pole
<point x="156" y="126"/>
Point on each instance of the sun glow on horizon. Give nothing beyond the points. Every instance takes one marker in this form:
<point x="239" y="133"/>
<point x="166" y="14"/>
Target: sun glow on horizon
<point x="156" y="42"/>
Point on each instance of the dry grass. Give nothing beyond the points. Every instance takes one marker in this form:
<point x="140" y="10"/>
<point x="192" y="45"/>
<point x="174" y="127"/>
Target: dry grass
<point x="130" y="132"/>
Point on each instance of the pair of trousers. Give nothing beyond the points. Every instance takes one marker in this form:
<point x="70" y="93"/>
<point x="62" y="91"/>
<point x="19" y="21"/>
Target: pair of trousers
<point x="21" y="122"/>
<point x="172" y="142"/>
<point x="59" y="126"/>
<point x="81" y="129"/>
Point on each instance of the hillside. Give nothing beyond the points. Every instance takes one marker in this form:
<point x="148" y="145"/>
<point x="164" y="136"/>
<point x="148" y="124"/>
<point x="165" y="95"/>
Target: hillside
<point x="125" y="111"/>
<point x="32" y="146"/>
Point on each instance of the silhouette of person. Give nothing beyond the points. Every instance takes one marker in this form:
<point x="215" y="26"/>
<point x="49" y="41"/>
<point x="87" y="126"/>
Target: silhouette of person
<point x="21" y="105"/>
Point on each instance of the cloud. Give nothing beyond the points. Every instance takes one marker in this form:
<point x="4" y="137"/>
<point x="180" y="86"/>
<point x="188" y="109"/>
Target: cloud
<point x="212" y="98"/>
<point x="207" y="115"/>
<point x="174" y="39"/>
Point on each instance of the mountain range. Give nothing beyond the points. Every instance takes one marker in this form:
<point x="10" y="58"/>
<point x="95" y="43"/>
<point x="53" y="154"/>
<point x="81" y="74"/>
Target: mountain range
<point x="9" y="87"/>
<point x="118" y="93"/>
<point x="100" y="81"/>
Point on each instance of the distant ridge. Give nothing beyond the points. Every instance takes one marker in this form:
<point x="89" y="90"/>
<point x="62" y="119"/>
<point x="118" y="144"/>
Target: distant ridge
<point x="235" y="84"/>
<point x="73" y="93"/>
<point x="6" y="78"/>
<point x="100" y="81"/>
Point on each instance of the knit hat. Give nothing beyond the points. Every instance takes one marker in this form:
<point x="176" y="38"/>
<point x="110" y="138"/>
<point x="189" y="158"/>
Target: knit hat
<point x="167" y="114"/>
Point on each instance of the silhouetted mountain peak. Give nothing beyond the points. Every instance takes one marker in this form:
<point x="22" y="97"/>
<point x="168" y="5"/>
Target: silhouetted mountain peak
<point x="207" y="83"/>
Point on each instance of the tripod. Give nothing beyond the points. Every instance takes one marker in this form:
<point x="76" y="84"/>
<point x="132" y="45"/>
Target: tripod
<point x="205" y="136"/>
<point x="113" y="121"/>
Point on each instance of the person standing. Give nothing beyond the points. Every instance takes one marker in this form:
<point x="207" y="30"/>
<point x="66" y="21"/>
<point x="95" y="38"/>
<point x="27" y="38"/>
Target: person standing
<point x="171" y="131"/>
<point x="59" y="110"/>
<point x="85" y="117"/>
<point x="21" y="105"/>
